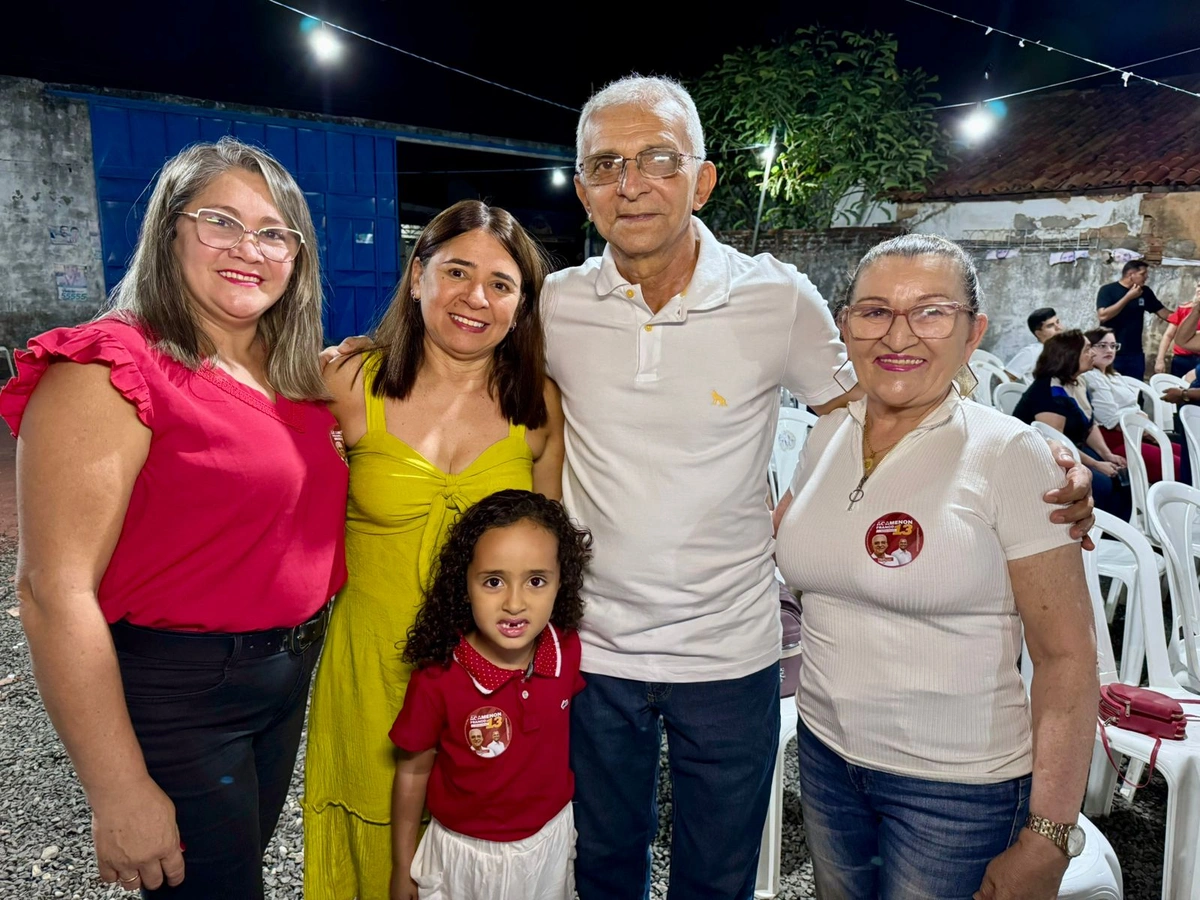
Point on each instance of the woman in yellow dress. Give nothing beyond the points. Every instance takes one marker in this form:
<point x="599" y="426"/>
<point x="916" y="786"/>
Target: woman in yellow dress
<point x="448" y="405"/>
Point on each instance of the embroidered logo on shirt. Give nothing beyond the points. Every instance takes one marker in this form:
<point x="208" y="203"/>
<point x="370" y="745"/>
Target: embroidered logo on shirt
<point x="718" y="400"/>
<point x="894" y="540"/>
<point x="339" y="444"/>
<point x="488" y="731"/>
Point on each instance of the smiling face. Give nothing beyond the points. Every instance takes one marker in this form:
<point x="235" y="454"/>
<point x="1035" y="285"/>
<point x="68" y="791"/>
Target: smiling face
<point x="469" y="291"/>
<point x="643" y="217"/>
<point x="901" y="370"/>
<point x="231" y="289"/>
<point x="512" y="582"/>
<point x="879" y="545"/>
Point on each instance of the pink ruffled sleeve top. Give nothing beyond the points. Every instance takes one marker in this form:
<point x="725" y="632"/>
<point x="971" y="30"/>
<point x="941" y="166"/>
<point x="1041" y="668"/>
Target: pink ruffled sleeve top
<point x="237" y="519"/>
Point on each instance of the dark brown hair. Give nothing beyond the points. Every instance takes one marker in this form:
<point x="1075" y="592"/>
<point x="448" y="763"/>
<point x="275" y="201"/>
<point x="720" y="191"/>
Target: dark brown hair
<point x="519" y="361"/>
<point x="445" y="616"/>
<point x="1096" y="335"/>
<point x="1060" y="357"/>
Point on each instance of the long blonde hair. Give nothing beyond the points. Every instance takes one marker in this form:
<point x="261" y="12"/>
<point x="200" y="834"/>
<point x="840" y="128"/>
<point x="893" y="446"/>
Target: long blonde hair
<point x="152" y="293"/>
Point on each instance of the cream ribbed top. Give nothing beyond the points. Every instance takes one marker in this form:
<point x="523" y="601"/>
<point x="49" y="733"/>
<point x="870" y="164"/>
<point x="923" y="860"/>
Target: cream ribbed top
<point x="911" y="667"/>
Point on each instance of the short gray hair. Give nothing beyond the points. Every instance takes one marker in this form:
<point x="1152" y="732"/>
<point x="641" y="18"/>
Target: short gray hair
<point x="152" y="292"/>
<point x="665" y="96"/>
<point x="910" y="246"/>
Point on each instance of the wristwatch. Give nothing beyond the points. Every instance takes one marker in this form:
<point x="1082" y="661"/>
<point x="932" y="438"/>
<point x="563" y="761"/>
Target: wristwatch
<point x="1068" y="838"/>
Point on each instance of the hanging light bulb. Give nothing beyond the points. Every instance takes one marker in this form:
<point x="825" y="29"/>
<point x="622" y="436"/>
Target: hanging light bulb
<point x="325" y="47"/>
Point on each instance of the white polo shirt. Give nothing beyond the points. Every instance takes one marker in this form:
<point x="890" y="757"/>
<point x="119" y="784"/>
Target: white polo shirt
<point x="911" y="667"/>
<point x="670" y="418"/>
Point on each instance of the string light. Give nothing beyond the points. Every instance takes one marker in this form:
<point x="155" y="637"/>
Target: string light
<point x="1046" y="87"/>
<point x="433" y="62"/>
<point x="325" y="47"/>
<point x="1021" y="43"/>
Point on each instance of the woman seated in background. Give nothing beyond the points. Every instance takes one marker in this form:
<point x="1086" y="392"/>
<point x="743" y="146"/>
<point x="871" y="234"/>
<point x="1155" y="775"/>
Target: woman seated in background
<point x="933" y="775"/>
<point x="1059" y="398"/>
<point x="1111" y="397"/>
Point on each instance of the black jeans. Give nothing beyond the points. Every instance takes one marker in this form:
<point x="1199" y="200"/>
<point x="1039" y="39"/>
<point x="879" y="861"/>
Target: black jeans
<point x="220" y="738"/>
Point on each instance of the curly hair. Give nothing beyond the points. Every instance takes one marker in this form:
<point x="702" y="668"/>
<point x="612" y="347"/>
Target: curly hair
<point x="445" y="616"/>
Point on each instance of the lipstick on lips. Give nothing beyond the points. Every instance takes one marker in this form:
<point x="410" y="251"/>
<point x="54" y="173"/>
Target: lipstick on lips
<point x="245" y="279"/>
<point x="466" y="323"/>
<point x="899" y="362"/>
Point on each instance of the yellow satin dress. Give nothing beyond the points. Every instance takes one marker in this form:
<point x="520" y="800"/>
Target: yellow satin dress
<point x="399" y="511"/>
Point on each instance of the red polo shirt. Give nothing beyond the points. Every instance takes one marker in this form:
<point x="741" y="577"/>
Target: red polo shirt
<point x="502" y="769"/>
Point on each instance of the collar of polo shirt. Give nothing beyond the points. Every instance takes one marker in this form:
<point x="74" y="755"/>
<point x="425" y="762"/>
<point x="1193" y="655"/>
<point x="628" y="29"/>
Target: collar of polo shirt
<point x="708" y="289"/>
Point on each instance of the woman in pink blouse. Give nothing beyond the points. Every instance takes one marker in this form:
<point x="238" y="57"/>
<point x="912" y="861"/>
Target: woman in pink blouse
<point x="181" y="499"/>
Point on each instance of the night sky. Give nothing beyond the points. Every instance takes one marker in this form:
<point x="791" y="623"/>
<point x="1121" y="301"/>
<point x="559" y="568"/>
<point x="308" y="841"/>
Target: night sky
<point x="252" y="52"/>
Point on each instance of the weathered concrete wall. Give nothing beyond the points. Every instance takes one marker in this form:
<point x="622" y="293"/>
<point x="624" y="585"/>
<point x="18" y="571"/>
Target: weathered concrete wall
<point x="1012" y="288"/>
<point x="826" y="257"/>
<point x="50" y="271"/>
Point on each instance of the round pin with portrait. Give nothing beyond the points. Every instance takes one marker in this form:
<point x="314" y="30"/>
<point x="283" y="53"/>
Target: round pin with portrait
<point x="488" y="731"/>
<point x="895" y="540"/>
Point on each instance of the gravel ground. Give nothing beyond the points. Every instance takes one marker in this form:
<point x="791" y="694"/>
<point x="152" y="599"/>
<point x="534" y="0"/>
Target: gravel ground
<point x="45" y="840"/>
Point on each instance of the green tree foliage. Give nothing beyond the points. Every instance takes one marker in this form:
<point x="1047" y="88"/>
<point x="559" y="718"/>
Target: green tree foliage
<point x="849" y="123"/>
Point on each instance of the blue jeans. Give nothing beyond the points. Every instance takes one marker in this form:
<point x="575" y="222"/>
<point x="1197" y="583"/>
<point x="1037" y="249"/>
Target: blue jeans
<point x="722" y="737"/>
<point x="876" y="835"/>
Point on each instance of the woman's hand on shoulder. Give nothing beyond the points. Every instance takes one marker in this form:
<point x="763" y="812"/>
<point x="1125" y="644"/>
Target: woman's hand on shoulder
<point x="348" y="346"/>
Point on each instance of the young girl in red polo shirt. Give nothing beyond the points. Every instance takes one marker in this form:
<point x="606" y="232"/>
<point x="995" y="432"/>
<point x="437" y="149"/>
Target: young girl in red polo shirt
<point x="483" y="734"/>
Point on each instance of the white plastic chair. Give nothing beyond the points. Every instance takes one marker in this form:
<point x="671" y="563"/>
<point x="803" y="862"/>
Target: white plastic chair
<point x="984" y="356"/>
<point x="12" y="370"/>
<point x="1160" y="383"/>
<point x="1095" y="874"/>
<point x="1006" y="396"/>
<point x="1152" y="403"/>
<point x="766" y="883"/>
<point x="1051" y="433"/>
<point x="1189" y="417"/>
<point x="1173" y="511"/>
<point x="1178" y="761"/>
<point x="791" y="431"/>
<point x="1134" y="428"/>
<point x="989" y="376"/>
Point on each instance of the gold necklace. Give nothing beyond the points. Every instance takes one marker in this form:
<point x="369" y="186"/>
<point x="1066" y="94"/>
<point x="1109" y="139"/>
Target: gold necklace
<point x="871" y="456"/>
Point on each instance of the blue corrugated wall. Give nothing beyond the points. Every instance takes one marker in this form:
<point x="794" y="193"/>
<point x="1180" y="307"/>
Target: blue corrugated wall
<point x="347" y="174"/>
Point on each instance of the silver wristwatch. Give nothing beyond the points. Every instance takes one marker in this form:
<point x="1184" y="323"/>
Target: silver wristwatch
<point x="1068" y="838"/>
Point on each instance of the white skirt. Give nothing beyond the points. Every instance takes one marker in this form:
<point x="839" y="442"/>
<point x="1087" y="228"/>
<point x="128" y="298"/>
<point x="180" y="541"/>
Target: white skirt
<point x="452" y="866"/>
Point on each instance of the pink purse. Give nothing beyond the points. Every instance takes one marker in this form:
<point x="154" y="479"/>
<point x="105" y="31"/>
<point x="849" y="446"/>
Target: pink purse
<point x="1144" y="711"/>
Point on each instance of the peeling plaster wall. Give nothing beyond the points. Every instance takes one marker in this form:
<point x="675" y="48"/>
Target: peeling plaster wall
<point x="50" y="272"/>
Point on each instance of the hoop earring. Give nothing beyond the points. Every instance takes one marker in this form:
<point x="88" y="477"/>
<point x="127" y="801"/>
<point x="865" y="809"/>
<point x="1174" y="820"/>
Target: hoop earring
<point x="966" y="381"/>
<point x="838" y="381"/>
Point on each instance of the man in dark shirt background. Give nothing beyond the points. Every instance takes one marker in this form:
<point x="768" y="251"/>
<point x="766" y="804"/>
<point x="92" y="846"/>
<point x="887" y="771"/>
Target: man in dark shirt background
<point x="1123" y="306"/>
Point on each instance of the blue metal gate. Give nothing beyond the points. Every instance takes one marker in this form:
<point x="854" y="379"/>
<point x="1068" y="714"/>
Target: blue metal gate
<point x="347" y="174"/>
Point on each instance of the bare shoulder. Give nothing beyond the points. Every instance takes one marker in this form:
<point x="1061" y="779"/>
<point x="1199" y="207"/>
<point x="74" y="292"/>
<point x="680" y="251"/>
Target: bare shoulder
<point x="344" y="377"/>
<point x="80" y="395"/>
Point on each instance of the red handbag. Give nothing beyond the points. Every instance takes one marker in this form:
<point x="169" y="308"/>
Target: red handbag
<point x="1144" y="711"/>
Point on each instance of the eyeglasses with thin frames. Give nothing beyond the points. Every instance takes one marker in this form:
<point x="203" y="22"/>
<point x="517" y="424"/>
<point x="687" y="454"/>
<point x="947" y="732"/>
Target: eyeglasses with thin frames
<point x="221" y="231"/>
<point x="871" y="321"/>
<point x="1107" y="345"/>
<point x="608" y="168"/>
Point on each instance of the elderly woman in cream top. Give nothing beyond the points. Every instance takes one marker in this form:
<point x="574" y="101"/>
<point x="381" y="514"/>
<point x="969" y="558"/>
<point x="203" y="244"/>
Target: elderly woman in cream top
<point x="925" y="770"/>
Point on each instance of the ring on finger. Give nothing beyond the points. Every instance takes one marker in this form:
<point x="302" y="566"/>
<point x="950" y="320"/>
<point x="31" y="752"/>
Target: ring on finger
<point x="131" y="880"/>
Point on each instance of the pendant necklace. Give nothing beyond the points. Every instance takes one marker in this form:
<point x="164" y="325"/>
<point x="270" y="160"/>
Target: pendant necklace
<point x="870" y="459"/>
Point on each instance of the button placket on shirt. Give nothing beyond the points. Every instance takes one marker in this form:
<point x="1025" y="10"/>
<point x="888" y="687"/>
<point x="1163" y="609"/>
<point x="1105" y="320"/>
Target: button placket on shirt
<point x="529" y="716"/>
<point x="650" y="335"/>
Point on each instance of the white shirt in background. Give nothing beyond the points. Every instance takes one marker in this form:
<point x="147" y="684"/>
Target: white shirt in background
<point x="913" y="670"/>
<point x="1022" y="364"/>
<point x="670" y="419"/>
<point x="1111" y="397"/>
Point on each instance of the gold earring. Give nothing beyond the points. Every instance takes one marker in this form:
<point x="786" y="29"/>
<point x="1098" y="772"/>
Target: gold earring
<point x="966" y="380"/>
<point x="838" y="381"/>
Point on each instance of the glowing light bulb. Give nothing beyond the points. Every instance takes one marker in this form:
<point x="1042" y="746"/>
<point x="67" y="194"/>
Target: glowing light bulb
<point x="558" y="178"/>
<point x="977" y="125"/>
<point x="325" y="47"/>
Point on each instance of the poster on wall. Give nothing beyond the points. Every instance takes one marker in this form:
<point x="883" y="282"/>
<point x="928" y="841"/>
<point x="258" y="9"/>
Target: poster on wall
<point x="71" y="282"/>
<point x="66" y="235"/>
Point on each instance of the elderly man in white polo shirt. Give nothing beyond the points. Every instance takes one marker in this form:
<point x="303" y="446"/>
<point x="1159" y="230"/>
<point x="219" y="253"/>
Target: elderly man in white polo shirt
<point x="669" y="350"/>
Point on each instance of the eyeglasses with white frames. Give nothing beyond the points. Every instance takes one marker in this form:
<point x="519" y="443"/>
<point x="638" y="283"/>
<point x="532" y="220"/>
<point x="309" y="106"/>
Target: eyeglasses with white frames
<point x="221" y="231"/>
<point x="607" y="168"/>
